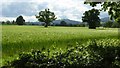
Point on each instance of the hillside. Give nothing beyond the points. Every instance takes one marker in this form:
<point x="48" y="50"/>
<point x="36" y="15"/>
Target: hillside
<point x="68" y="21"/>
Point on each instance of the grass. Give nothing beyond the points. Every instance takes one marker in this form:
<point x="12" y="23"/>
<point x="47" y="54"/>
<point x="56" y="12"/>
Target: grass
<point x="16" y="39"/>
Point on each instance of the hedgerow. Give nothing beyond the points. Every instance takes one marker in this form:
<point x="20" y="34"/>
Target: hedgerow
<point x="95" y="54"/>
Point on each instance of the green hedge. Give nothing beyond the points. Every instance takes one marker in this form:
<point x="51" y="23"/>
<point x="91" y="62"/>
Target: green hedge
<point x="95" y="54"/>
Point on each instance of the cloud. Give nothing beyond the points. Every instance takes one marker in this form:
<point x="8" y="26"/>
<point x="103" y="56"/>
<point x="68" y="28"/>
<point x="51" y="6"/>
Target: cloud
<point x="42" y="6"/>
<point x="71" y="9"/>
<point x="103" y="14"/>
<point x="27" y="18"/>
<point x="17" y="8"/>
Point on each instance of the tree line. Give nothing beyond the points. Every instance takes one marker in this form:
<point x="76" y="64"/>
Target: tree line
<point x="19" y="21"/>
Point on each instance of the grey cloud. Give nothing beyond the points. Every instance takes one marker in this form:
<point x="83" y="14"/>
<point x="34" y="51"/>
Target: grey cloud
<point x="43" y="5"/>
<point x="32" y="8"/>
<point x="63" y="17"/>
<point x="60" y="8"/>
<point x="103" y="14"/>
<point x="25" y="8"/>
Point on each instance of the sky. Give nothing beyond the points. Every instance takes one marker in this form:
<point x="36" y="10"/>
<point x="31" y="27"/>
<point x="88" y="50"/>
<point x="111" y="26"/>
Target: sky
<point x="63" y="9"/>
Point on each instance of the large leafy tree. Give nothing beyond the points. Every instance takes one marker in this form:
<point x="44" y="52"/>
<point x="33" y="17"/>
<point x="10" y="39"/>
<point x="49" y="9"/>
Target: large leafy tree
<point x="20" y="20"/>
<point x="113" y="10"/>
<point x="112" y="7"/>
<point x="46" y="16"/>
<point x="91" y="17"/>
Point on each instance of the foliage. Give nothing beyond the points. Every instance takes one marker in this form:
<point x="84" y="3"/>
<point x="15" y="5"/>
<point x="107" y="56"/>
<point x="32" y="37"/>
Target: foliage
<point x="46" y="16"/>
<point x="118" y="20"/>
<point x="91" y="17"/>
<point x="6" y="22"/>
<point x="95" y="54"/>
<point x="112" y="7"/>
<point x="108" y="24"/>
<point x="13" y="22"/>
<point x="111" y="24"/>
<point x="93" y="4"/>
<point x="115" y="25"/>
<point x="20" y="20"/>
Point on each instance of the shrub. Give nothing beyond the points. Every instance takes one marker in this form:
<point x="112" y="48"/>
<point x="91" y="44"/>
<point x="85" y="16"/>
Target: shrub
<point x="116" y="25"/>
<point x="94" y="54"/>
<point x="108" y="24"/>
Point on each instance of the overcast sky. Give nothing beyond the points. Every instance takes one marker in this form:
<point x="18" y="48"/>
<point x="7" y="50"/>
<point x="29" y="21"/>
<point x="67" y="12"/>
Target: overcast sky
<point x="63" y="9"/>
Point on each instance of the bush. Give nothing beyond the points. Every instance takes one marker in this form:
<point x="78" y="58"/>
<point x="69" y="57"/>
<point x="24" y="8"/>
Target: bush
<point x="108" y="24"/>
<point x="95" y="54"/>
<point x="116" y="25"/>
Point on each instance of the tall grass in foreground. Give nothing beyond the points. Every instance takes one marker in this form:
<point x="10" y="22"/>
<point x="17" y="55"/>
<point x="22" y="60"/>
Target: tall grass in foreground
<point x="103" y="53"/>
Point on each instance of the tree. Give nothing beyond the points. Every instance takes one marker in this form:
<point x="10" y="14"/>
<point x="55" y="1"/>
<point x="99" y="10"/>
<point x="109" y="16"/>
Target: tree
<point x="91" y="17"/>
<point x="112" y="7"/>
<point x="13" y="22"/>
<point x="46" y="16"/>
<point x="3" y="22"/>
<point x="20" y="20"/>
<point x="63" y="23"/>
<point x="115" y="25"/>
<point x="93" y="4"/>
<point x="8" y="22"/>
<point x="108" y="24"/>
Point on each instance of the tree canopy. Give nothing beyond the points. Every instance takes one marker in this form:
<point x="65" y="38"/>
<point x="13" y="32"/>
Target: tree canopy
<point x="112" y="7"/>
<point x="91" y="17"/>
<point x="20" y="20"/>
<point x="46" y="16"/>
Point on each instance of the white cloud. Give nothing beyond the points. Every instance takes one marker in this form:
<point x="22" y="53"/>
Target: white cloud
<point x="7" y="18"/>
<point x="27" y="18"/>
<point x="71" y="9"/>
<point x="30" y="18"/>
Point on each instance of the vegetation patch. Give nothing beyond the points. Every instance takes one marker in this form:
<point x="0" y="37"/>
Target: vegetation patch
<point x="103" y="53"/>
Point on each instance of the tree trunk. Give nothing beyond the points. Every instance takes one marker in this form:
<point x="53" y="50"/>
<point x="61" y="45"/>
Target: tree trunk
<point x="92" y="27"/>
<point x="46" y="25"/>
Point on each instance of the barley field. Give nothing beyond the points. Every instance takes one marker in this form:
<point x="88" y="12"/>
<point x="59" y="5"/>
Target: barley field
<point x="17" y="39"/>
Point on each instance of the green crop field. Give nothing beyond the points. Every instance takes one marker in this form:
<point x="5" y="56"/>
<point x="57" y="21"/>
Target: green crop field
<point x="16" y="39"/>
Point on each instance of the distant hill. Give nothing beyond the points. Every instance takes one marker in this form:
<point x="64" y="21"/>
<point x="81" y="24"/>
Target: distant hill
<point x="34" y="23"/>
<point x="68" y="21"/>
<point x="105" y="19"/>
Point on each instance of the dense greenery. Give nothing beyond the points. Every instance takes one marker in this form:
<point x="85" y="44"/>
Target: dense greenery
<point x="116" y="25"/>
<point x="46" y="16"/>
<point x="91" y="17"/>
<point x="63" y="47"/>
<point x="112" y="7"/>
<point x="113" y="10"/>
<point x="93" y="4"/>
<point x="8" y="22"/>
<point x="20" y="20"/>
<point x="95" y="54"/>
<point x="108" y="24"/>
